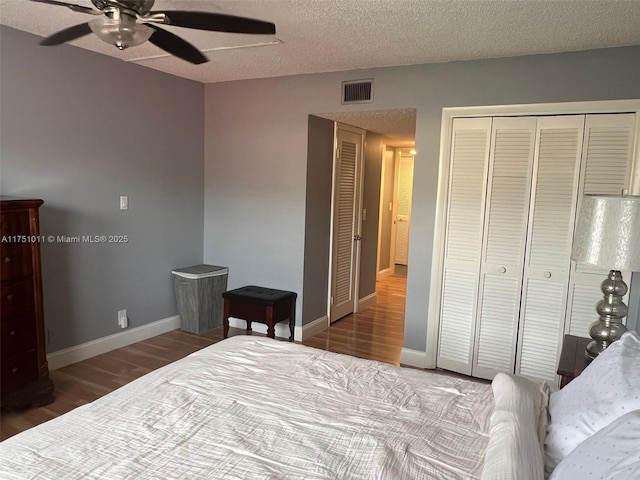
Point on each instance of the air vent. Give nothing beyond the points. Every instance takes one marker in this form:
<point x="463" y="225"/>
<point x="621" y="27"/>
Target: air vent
<point x="357" y="91"/>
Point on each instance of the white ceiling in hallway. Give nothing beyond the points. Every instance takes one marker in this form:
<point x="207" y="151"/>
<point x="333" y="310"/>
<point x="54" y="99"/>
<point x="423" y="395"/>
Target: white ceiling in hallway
<point x="398" y="126"/>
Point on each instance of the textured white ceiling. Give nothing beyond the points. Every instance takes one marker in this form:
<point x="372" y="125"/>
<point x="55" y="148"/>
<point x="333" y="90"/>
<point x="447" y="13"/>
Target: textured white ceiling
<point x="333" y="35"/>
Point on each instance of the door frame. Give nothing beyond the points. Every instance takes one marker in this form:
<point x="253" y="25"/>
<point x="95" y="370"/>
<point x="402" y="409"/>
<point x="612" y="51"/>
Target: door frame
<point x="448" y="115"/>
<point x="395" y="165"/>
<point x="357" y="218"/>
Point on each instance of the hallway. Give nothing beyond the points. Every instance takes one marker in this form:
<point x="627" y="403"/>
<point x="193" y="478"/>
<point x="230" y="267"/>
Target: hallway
<point x="376" y="332"/>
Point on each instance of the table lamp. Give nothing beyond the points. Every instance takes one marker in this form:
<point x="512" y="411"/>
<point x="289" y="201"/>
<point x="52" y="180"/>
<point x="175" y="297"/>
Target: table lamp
<point x="608" y="236"/>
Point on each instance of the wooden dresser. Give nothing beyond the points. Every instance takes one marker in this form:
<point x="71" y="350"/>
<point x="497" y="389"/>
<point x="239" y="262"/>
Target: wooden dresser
<point x="23" y="359"/>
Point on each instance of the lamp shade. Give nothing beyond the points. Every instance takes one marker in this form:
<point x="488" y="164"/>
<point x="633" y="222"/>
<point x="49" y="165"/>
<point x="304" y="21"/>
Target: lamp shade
<point x="608" y="232"/>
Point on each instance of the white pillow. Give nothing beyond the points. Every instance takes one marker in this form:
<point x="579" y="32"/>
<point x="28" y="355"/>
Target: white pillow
<point x="607" y="389"/>
<point x="515" y="447"/>
<point x="613" y="453"/>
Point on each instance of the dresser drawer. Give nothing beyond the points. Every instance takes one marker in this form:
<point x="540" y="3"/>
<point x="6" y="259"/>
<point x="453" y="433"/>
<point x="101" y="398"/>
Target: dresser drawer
<point x="18" y="336"/>
<point x="16" y="300"/>
<point x="14" y="223"/>
<point x="18" y="370"/>
<point x="15" y="262"/>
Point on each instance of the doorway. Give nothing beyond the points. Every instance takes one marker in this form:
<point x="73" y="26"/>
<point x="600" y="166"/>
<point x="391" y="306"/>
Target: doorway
<point x="382" y="128"/>
<point x="396" y="189"/>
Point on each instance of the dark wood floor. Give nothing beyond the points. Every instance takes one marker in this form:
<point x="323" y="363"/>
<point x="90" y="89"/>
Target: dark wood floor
<point x="375" y="333"/>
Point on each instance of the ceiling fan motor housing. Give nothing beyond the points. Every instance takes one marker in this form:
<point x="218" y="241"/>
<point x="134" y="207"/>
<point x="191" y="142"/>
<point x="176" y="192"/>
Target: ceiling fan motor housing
<point x="121" y="31"/>
<point x="141" y="7"/>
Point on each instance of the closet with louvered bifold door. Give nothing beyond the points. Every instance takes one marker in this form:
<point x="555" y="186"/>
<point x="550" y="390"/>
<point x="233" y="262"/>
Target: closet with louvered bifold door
<point x="508" y="282"/>
<point x="606" y="169"/>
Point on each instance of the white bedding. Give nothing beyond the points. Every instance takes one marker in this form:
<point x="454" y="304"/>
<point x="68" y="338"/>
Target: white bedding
<point x="517" y="429"/>
<point x="256" y="408"/>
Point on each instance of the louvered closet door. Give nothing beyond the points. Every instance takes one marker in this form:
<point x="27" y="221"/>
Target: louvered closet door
<point x="345" y="225"/>
<point x="549" y="240"/>
<point x="607" y="154"/>
<point x="505" y="233"/>
<point x="469" y="160"/>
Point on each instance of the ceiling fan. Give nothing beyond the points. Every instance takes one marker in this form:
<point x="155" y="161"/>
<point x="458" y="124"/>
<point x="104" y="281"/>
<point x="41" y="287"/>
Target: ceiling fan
<point x="128" y="23"/>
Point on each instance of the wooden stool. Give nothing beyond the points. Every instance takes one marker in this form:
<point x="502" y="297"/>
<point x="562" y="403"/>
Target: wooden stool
<point x="260" y="304"/>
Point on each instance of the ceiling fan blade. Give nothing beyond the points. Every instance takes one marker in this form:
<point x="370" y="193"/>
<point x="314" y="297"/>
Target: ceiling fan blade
<point x="217" y="22"/>
<point x="72" y="6"/>
<point x="67" y="35"/>
<point x="176" y="46"/>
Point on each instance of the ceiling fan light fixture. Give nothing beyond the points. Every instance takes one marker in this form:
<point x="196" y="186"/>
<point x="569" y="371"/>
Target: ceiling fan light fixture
<point x="129" y="23"/>
<point x="122" y="31"/>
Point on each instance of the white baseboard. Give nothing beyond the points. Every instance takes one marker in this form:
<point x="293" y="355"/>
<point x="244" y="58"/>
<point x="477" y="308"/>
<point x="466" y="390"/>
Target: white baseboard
<point x="81" y="352"/>
<point x="367" y="301"/>
<point x="317" y="326"/>
<point x="282" y="329"/>
<point x="413" y="358"/>
<point x="384" y="273"/>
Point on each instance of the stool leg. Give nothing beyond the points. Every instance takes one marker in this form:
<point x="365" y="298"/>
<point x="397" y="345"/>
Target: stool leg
<point x="271" y="328"/>
<point x="225" y="323"/>
<point x="292" y="319"/>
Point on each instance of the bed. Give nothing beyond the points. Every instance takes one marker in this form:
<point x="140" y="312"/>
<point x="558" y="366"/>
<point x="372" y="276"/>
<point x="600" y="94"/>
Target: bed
<point x="256" y="408"/>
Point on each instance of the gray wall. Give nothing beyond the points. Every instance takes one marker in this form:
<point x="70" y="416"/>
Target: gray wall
<point x="256" y="151"/>
<point x="373" y="152"/>
<point x="386" y="222"/>
<point x="78" y="130"/>
<point x="317" y="218"/>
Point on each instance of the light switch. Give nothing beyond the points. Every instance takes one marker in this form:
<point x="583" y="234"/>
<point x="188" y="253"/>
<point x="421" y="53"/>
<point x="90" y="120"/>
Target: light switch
<point x="124" y="202"/>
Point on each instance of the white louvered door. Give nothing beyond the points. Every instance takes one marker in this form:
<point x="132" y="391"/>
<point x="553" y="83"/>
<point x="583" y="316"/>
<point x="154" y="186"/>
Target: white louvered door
<point x="549" y="241"/>
<point x="505" y="233"/>
<point x="509" y="288"/>
<point x="469" y="160"/>
<point x="345" y="222"/>
<point x="607" y="155"/>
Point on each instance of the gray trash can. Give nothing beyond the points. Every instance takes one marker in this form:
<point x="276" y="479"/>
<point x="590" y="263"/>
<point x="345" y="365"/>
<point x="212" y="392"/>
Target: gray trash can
<point x="199" y="292"/>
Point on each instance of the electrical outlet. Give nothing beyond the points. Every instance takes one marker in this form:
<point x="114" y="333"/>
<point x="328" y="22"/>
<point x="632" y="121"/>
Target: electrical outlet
<point x="123" y="321"/>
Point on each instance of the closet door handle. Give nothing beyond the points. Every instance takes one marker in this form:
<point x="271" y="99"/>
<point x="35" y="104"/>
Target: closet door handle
<point x="502" y="270"/>
<point x="547" y="274"/>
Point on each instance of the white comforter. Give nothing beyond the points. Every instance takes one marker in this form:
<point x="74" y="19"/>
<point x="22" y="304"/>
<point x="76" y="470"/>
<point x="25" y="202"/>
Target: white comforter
<point x="255" y="408"/>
